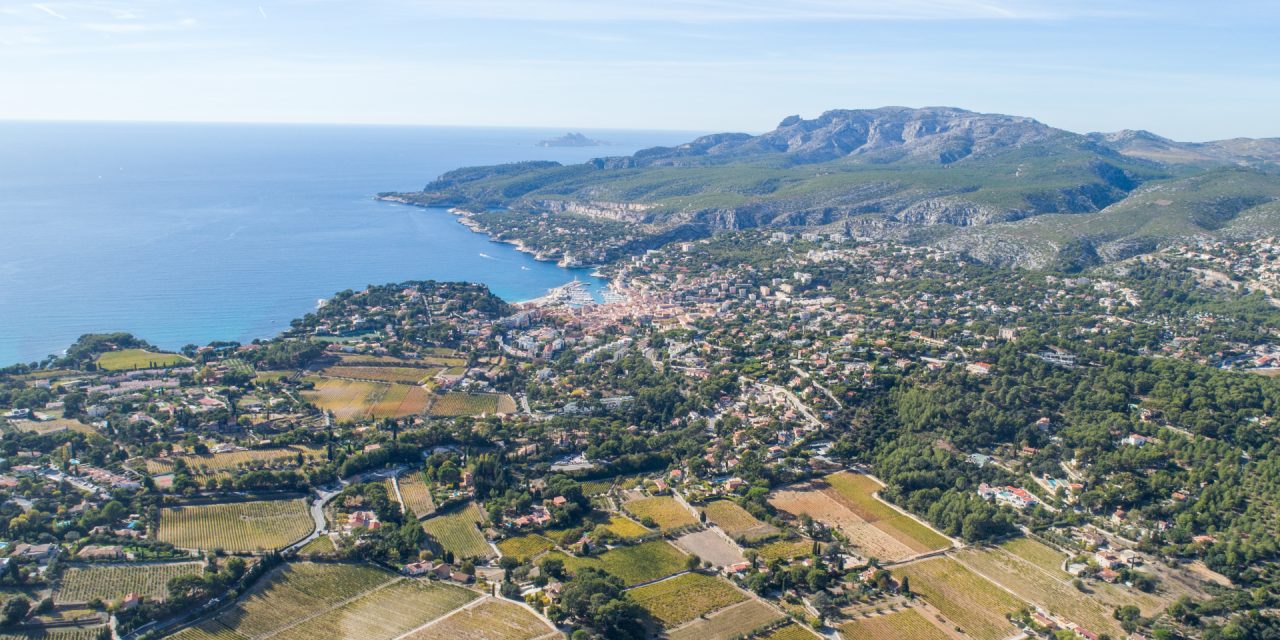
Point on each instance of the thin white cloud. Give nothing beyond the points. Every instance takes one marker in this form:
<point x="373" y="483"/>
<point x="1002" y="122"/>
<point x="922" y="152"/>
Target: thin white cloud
<point x="699" y="11"/>
<point x="262" y="11"/>
<point x="49" y="10"/>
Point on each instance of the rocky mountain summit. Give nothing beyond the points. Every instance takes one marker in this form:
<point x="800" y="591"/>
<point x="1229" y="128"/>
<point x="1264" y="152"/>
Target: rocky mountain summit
<point x="970" y="181"/>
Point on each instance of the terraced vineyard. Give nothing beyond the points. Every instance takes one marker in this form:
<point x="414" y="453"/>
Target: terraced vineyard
<point x="734" y="621"/>
<point x="112" y="582"/>
<point x="737" y="522"/>
<point x="306" y="601"/>
<point x="456" y="532"/>
<point x="965" y="598"/>
<point x="493" y="619"/>
<point x="472" y="404"/>
<point x="891" y="626"/>
<point x="416" y="494"/>
<point x="236" y="526"/>
<point x="525" y="547"/>
<point x="685" y="597"/>
<point x="663" y="511"/>
<point x="633" y="565"/>
<point x="213" y="463"/>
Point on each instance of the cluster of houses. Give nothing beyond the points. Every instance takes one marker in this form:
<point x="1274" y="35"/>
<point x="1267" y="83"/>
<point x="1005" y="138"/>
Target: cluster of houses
<point x="1015" y="497"/>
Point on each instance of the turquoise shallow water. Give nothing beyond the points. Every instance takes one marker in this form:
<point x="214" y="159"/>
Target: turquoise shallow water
<point x="185" y="233"/>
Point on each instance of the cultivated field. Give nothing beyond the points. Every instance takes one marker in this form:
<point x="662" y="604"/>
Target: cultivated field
<point x="685" y="597"/>
<point x="236" y="526"/>
<point x="709" y="546"/>
<point x="70" y="633"/>
<point x="730" y="622"/>
<point x="736" y="522"/>
<point x="322" y="544"/>
<point x="398" y="375"/>
<point x="472" y="404"/>
<point x="493" y="619"/>
<point x="416" y="494"/>
<point x="112" y="582"/>
<point x="633" y="565"/>
<point x="625" y="527"/>
<point x="791" y="631"/>
<point x="890" y="535"/>
<point x="525" y="547"/>
<point x="456" y="532"/>
<point x="858" y="490"/>
<point x="305" y="601"/>
<point x="906" y="623"/>
<point x="214" y="463"/>
<point x="138" y="359"/>
<point x="663" y="511"/>
<point x="1017" y="567"/>
<point x="965" y="598"/>
<point x="785" y="549"/>
<point x="354" y="400"/>
<point x="43" y="427"/>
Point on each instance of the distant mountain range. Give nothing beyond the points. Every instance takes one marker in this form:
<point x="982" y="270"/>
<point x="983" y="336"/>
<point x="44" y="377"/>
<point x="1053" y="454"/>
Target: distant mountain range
<point x="1000" y="188"/>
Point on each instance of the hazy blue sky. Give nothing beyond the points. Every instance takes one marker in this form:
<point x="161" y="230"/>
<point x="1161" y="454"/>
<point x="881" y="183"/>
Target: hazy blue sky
<point x="1190" y="69"/>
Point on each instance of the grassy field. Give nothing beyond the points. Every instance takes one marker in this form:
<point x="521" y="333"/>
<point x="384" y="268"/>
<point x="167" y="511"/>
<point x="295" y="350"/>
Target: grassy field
<point x="858" y="490"/>
<point x="493" y="619"/>
<point x="791" y="631"/>
<point x="52" y="426"/>
<point x="138" y="359"/>
<point x="112" y="582"/>
<point x="964" y="597"/>
<point x="322" y="544"/>
<point x="525" y="547"/>
<point x="906" y="623"/>
<point x="663" y="511"/>
<point x="1038" y="554"/>
<point x="633" y="565"/>
<point x="626" y="528"/>
<point x="733" y="621"/>
<point x="736" y="522"/>
<point x="305" y="601"/>
<point x="236" y="526"/>
<point x="356" y="400"/>
<point x="416" y="494"/>
<point x="214" y="463"/>
<point x="456" y="532"/>
<point x="1017" y="568"/>
<point x="472" y="404"/>
<point x="685" y="597"/>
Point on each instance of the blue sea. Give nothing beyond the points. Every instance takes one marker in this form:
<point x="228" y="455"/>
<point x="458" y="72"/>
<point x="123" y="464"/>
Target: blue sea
<point x="188" y="233"/>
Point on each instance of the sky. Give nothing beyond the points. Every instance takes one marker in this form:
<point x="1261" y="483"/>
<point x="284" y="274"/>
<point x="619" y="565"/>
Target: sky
<point x="1187" y="69"/>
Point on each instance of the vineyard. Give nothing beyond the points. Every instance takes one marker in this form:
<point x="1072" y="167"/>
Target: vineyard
<point x="734" y="621"/>
<point x="791" y="631"/>
<point x="785" y="549"/>
<point x="737" y="522"/>
<point x="236" y="526"/>
<point x="212" y="463"/>
<point x="633" y="565"/>
<point x="524" y="547"/>
<point x="321" y="545"/>
<point x="457" y="532"/>
<point x="70" y="633"/>
<point x="890" y="626"/>
<point x="113" y="582"/>
<point x="472" y="404"/>
<point x="138" y="359"/>
<point x="306" y="601"/>
<point x="857" y="492"/>
<point x="416" y="494"/>
<point x="685" y="597"/>
<point x="965" y="598"/>
<point x="663" y="511"/>
<point x="44" y="427"/>
<point x="352" y="400"/>
<point x="492" y="619"/>
<point x="398" y="375"/>
<point x="1038" y="554"/>
<point x="826" y="506"/>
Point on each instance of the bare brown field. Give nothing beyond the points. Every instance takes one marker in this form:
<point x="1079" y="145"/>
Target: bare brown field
<point x="710" y="547"/>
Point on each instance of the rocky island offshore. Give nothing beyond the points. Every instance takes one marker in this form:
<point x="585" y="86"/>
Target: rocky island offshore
<point x="572" y="140"/>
